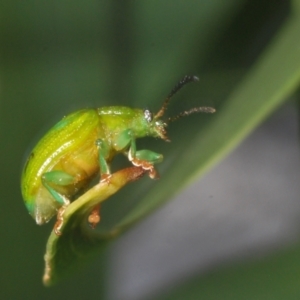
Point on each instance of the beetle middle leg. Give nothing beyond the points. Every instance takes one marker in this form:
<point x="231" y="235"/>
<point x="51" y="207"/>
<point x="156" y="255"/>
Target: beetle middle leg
<point x="103" y="151"/>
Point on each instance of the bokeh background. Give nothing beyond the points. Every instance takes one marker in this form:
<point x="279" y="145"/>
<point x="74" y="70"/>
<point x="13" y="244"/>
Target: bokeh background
<point x="58" y="56"/>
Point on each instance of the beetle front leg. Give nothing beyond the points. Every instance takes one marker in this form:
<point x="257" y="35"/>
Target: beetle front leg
<point x="142" y="158"/>
<point x="146" y="159"/>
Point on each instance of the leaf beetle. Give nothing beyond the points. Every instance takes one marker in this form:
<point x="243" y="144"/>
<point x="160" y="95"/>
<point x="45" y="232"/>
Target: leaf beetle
<point x="83" y="144"/>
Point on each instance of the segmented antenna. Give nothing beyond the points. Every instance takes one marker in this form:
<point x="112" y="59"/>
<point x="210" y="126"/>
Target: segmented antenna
<point x="186" y="79"/>
<point x="194" y="110"/>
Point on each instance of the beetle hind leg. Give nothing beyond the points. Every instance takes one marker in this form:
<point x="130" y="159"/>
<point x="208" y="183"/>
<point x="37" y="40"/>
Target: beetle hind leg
<point x="59" y="178"/>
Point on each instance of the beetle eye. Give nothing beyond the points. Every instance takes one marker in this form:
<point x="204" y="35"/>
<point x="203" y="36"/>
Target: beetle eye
<point x="148" y="115"/>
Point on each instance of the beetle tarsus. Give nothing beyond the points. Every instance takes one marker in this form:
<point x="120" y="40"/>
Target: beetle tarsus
<point x="105" y="178"/>
<point x="153" y="174"/>
<point x="94" y="217"/>
<point x="60" y="221"/>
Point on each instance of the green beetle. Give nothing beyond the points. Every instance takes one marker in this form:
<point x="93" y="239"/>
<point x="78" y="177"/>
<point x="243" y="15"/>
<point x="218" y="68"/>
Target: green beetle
<point x="83" y="144"/>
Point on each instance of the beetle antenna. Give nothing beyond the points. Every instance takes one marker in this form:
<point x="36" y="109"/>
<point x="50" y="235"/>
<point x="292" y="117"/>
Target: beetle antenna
<point x="194" y="110"/>
<point x="186" y="79"/>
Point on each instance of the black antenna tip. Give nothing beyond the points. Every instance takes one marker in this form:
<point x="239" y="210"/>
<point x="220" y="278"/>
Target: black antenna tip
<point x="187" y="79"/>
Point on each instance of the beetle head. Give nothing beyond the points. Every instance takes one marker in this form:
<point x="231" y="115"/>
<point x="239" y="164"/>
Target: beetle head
<point x="158" y="125"/>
